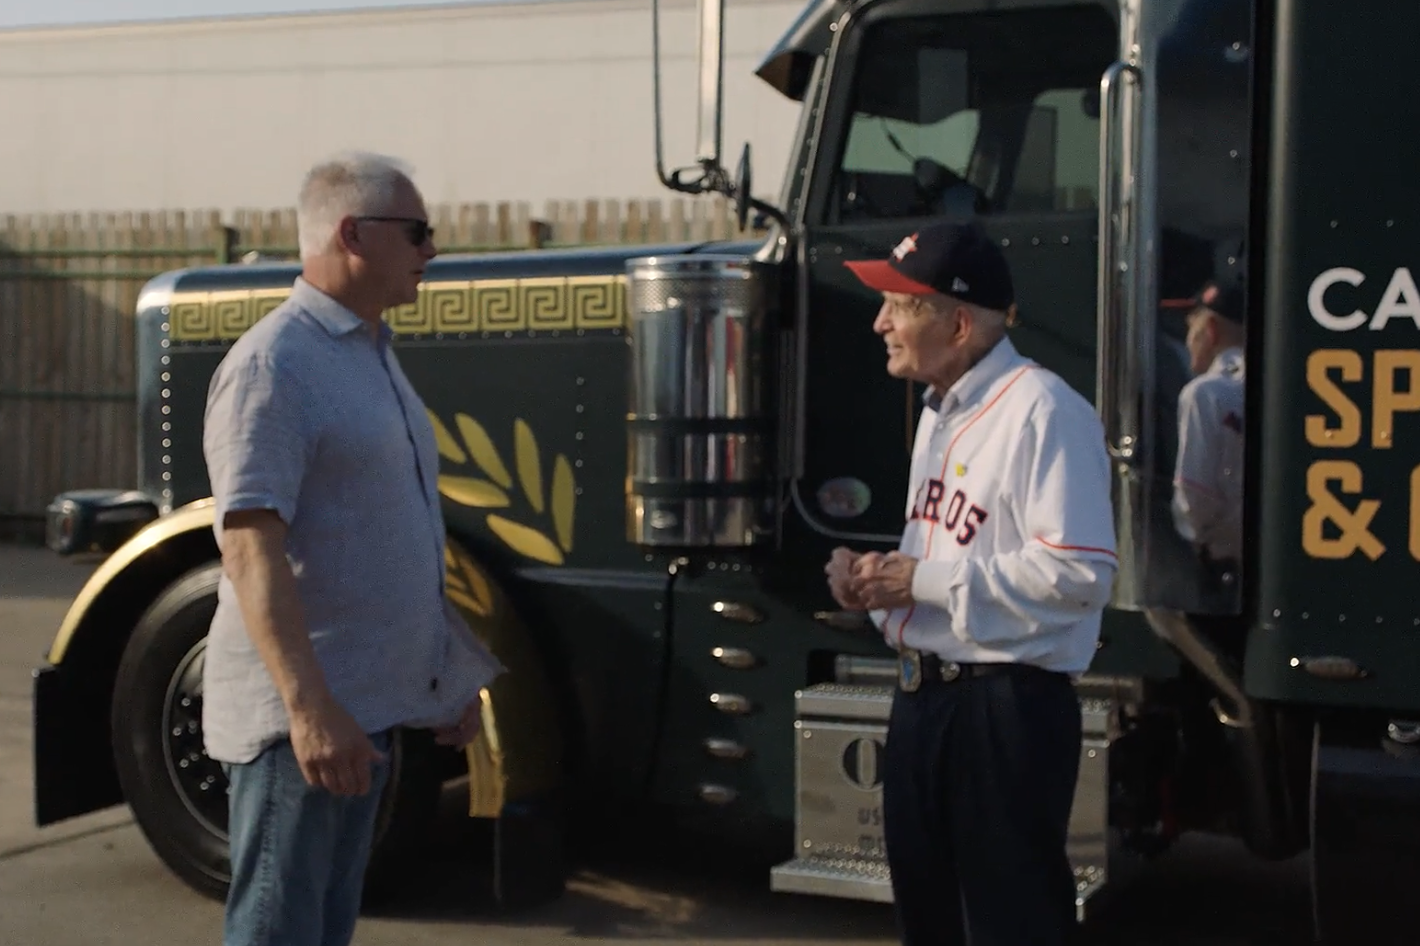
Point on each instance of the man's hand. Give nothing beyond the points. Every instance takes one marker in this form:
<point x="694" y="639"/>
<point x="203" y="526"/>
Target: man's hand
<point x="465" y="730"/>
<point x="840" y="576"/>
<point x="884" y="581"/>
<point x="332" y="750"/>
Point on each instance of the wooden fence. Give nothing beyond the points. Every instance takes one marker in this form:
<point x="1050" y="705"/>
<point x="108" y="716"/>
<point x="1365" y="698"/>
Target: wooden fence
<point x="69" y="287"/>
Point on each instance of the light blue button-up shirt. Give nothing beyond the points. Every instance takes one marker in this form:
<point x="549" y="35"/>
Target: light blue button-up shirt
<point x="311" y="416"/>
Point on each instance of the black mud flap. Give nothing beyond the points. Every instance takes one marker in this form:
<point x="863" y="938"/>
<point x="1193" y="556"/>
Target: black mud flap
<point x="1366" y="842"/>
<point x="73" y="757"/>
<point x="529" y="858"/>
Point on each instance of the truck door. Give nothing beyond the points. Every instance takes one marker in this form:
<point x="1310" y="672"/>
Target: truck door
<point x="1176" y="110"/>
<point x="998" y="111"/>
<point x="941" y="110"/>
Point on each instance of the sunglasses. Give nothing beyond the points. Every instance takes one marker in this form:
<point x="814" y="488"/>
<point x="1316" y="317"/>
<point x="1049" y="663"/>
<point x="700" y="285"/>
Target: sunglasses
<point x="416" y="230"/>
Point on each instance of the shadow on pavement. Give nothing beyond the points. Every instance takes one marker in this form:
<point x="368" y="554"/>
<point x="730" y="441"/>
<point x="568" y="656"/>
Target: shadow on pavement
<point x="661" y="884"/>
<point x="649" y="883"/>
<point x="1208" y="890"/>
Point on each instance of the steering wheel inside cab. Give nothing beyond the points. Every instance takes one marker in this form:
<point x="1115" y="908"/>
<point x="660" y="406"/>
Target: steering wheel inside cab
<point x="942" y="190"/>
<point x="935" y="189"/>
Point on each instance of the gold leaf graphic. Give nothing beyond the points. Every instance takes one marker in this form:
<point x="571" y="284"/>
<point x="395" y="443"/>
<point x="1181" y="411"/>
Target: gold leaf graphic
<point x="473" y="492"/>
<point x="448" y="446"/>
<point x="484" y="453"/>
<point x="563" y="498"/>
<point x="466" y="585"/>
<point x="529" y="469"/>
<point x="464" y="601"/>
<point x="478" y="585"/>
<point x="525" y="540"/>
<point x="550" y="543"/>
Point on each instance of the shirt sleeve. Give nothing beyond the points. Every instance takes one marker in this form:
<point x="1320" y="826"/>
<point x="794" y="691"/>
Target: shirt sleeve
<point x="1064" y="570"/>
<point x="257" y="438"/>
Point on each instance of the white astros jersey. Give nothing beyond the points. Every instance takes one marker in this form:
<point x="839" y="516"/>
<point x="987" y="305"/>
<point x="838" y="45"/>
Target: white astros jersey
<point x="1207" y="499"/>
<point x="1009" y="514"/>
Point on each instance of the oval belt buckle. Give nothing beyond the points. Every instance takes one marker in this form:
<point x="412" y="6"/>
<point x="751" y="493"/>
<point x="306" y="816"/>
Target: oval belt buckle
<point x="909" y="671"/>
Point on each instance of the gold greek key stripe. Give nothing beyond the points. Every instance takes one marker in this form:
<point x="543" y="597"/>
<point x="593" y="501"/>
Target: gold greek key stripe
<point x="590" y="303"/>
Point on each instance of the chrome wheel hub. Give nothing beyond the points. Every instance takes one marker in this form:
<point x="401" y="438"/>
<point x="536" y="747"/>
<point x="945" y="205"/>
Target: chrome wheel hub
<point x="199" y="780"/>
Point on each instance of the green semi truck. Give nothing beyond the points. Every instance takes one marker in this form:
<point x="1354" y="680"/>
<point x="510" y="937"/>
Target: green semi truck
<point x="649" y="452"/>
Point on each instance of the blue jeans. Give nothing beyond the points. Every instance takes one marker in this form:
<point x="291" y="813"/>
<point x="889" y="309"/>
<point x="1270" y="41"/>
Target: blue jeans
<point x="298" y="852"/>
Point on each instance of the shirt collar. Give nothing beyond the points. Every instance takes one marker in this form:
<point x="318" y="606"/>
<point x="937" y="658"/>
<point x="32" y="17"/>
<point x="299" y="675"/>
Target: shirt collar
<point x="1229" y="361"/>
<point x="976" y="379"/>
<point x="335" y="318"/>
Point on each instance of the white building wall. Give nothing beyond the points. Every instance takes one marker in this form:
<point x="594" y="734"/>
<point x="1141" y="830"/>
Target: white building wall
<point x="520" y="102"/>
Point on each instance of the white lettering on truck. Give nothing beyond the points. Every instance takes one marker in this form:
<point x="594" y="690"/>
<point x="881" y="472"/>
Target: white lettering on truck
<point x="1400" y="299"/>
<point x="1356" y="389"/>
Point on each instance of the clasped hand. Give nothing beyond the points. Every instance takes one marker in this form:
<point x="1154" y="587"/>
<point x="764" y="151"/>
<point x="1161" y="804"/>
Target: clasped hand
<point x="870" y="581"/>
<point x="335" y="754"/>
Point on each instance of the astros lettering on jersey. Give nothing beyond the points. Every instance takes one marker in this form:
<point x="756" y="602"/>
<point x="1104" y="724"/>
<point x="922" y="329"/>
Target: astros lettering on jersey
<point x="1208" y="481"/>
<point x="1009" y="515"/>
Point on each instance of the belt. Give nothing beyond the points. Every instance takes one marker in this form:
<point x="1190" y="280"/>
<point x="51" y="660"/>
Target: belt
<point x="915" y="667"/>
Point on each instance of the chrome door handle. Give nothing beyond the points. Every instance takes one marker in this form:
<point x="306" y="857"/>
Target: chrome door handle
<point x="1119" y="375"/>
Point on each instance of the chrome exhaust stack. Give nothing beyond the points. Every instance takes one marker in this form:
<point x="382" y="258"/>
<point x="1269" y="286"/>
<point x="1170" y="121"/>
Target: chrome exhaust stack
<point x="700" y="430"/>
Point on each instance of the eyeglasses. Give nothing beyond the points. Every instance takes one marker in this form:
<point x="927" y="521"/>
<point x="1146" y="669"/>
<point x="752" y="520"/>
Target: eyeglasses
<point x="415" y="229"/>
<point x="913" y="305"/>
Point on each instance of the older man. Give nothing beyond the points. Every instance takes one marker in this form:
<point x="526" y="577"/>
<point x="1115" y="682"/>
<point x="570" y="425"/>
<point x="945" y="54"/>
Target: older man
<point x="331" y="627"/>
<point x="993" y="602"/>
<point x="1208" y="478"/>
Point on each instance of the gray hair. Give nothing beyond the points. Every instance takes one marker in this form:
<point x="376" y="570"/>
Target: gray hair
<point x="942" y="304"/>
<point x="993" y="319"/>
<point x="350" y="184"/>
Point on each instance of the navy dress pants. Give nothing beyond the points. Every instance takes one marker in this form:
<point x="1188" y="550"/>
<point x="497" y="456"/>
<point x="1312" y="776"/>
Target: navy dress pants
<point x="978" y="785"/>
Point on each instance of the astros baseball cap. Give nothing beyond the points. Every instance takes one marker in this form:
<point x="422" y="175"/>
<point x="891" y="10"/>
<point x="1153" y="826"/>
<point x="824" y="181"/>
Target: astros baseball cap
<point x="954" y="259"/>
<point x="1224" y="298"/>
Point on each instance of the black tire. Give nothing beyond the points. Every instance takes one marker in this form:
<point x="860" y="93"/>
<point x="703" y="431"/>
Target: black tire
<point x="179" y="796"/>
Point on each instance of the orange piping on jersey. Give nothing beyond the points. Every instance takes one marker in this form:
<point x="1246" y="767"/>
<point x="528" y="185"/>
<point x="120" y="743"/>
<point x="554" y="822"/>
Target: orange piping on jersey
<point x="932" y="529"/>
<point x="1075" y="548"/>
<point x="1194" y="484"/>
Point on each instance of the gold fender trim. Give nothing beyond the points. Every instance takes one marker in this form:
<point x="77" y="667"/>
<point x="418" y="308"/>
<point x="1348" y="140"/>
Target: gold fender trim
<point x="518" y="752"/>
<point x="190" y="518"/>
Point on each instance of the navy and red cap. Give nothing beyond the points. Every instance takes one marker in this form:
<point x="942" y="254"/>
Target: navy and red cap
<point x="1223" y="297"/>
<point x="954" y="259"/>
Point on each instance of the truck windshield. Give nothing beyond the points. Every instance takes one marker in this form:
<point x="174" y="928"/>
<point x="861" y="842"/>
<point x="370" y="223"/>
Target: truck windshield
<point x="980" y="113"/>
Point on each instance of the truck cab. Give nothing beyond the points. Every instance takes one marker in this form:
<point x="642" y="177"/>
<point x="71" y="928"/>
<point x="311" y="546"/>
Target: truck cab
<point x="641" y="534"/>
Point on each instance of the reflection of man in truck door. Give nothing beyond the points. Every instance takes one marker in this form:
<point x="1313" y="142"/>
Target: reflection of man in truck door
<point x="1208" y="478"/>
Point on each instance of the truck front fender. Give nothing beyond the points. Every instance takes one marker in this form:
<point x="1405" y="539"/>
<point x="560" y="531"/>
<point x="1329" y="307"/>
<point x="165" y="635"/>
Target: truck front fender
<point x="516" y="756"/>
<point x="73" y="692"/>
<point x="518" y="753"/>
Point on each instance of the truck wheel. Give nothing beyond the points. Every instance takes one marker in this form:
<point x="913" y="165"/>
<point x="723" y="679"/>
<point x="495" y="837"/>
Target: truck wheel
<point x="178" y="795"/>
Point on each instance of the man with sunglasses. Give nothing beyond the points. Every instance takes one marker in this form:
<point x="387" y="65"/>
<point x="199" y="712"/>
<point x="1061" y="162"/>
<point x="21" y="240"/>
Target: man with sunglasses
<point x="331" y="626"/>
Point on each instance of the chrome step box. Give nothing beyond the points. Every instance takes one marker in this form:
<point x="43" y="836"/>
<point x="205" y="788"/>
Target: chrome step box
<point x="839" y="736"/>
<point x="850" y="878"/>
<point x="840" y="733"/>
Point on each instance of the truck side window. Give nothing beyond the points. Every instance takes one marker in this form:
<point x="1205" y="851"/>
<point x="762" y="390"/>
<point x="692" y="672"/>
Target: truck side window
<point x="986" y="113"/>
